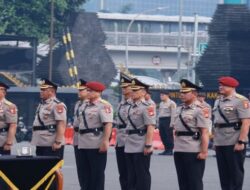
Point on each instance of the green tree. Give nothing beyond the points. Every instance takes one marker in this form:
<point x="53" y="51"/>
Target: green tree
<point x="32" y="17"/>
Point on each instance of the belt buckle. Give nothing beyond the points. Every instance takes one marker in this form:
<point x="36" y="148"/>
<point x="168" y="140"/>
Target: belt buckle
<point x="196" y="136"/>
<point x="141" y="133"/>
<point x="51" y="129"/>
<point x="96" y="132"/>
<point x="237" y="127"/>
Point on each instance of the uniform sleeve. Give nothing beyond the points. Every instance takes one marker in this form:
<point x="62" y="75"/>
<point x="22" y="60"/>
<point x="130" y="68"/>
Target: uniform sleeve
<point x="11" y="114"/>
<point x="149" y="115"/>
<point x="106" y="113"/>
<point x="60" y="112"/>
<point x="172" y="112"/>
<point x="243" y="109"/>
<point x="203" y="120"/>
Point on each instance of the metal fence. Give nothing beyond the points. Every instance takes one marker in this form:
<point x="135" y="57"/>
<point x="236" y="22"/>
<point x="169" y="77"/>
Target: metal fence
<point x="154" y="39"/>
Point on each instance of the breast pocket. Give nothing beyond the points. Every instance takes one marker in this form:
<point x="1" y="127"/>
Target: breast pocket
<point x="46" y="114"/>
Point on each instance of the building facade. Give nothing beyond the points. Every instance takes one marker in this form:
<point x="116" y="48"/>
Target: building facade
<point x="153" y="37"/>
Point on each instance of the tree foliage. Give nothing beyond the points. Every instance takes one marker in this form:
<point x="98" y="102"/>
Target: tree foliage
<point x="32" y="17"/>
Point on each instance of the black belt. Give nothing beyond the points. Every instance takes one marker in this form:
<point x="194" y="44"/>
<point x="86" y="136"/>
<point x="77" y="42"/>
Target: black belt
<point x="51" y="128"/>
<point x="164" y="117"/>
<point x="195" y="135"/>
<point x="96" y="131"/>
<point x="121" y="126"/>
<point x="76" y="129"/>
<point x="5" y="129"/>
<point x="236" y="125"/>
<point x="140" y="132"/>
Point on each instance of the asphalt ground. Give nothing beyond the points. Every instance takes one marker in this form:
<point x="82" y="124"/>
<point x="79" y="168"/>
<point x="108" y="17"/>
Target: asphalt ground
<point x="162" y="171"/>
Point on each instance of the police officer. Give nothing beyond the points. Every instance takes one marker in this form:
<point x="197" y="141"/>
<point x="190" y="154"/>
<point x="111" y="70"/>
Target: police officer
<point x="166" y="115"/>
<point x="121" y="122"/>
<point x="191" y="138"/>
<point x="8" y="124"/>
<point x="50" y="122"/>
<point x="82" y="94"/>
<point x="94" y="132"/>
<point x="138" y="145"/>
<point x="231" y="120"/>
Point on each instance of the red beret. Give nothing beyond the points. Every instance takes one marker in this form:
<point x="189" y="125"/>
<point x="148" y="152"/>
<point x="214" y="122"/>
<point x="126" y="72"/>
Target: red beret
<point x="96" y="86"/>
<point x="228" y="81"/>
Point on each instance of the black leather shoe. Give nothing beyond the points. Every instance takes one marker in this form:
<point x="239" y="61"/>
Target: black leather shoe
<point x="166" y="153"/>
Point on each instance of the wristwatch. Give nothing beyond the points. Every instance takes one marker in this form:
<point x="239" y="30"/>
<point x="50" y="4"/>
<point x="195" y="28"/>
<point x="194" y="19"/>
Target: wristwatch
<point x="148" y="145"/>
<point x="242" y="142"/>
<point x="57" y="143"/>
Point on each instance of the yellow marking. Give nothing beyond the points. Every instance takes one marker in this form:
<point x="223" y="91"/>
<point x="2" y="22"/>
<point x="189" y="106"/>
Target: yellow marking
<point x="7" y="180"/>
<point x="50" y="182"/>
<point x="56" y="167"/>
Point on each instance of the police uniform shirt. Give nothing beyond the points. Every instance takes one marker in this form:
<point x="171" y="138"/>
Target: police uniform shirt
<point x="50" y="111"/>
<point x="195" y="117"/>
<point x="97" y="114"/>
<point x="76" y="121"/>
<point x="8" y="115"/>
<point x="167" y="109"/>
<point x="234" y="108"/>
<point x="123" y="112"/>
<point x="142" y="114"/>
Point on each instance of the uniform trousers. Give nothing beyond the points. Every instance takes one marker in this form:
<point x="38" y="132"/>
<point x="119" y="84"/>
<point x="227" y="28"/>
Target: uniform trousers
<point x="139" y="177"/>
<point x="231" y="167"/>
<point x="122" y="167"/>
<point x="166" y="132"/>
<point x="189" y="170"/>
<point x="93" y="164"/>
<point x="78" y="162"/>
<point x="47" y="151"/>
<point x="4" y="152"/>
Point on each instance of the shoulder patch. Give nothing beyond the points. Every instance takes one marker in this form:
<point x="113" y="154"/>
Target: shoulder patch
<point x="151" y="111"/>
<point x="245" y="104"/>
<point x="12" y="109"/>
<point x="206" y="111"/>
<point x="107" y="108"/>
<point x="60" y="108"/>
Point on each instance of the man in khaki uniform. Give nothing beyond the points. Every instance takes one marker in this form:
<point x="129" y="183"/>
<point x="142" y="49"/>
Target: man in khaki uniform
<point x="8" y="121"/>
<point x="166" y="115"/>
<point x="138" y="145"/>
<point x="94" y="132"/>
<point x="82" y="94"/>
<point x="231" y="121"/>
<point x="121" y="122"/>
<point x="50" y="122"/>
<point x="191" y="125"/>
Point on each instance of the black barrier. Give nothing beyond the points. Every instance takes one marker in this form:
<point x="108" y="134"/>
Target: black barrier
<point x="25" y="173"/>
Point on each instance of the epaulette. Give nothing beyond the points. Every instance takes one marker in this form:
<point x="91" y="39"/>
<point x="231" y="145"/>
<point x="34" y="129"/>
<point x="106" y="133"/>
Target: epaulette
<point x="240" y="96"/>
<point x="8" y="103"/>
<point x="146" y="103"/>
<point x="104" y="101"/>
<point x="57" y="101"/>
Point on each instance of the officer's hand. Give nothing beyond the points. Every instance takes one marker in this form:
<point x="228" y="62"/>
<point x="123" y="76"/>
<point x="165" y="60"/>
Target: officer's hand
<point x="148" y="151"/>
<point x="56" y="146"/>
<point x="202" y="155"/>
<point x="7" y="147"/>
<point x="239" y="147"/>
<point x="104" y="146"/>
